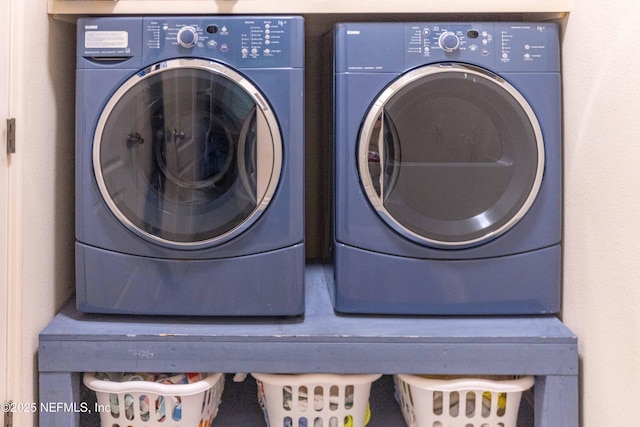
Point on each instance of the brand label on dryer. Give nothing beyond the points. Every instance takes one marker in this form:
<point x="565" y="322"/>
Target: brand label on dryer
<point x="106" y="39"/>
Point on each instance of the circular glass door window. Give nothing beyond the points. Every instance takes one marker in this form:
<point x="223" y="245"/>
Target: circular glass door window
<point x="451" y="155"/>
<point x="187" y="153"/>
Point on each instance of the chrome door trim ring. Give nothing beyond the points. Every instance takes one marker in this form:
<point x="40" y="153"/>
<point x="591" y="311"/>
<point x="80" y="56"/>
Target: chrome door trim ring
<point x="377" y="108"/>
<point x="272" y="179"/>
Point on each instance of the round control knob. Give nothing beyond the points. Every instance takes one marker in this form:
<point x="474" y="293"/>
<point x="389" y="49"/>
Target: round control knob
<point x="187" y="37"/>
<point x="448" y="41"/>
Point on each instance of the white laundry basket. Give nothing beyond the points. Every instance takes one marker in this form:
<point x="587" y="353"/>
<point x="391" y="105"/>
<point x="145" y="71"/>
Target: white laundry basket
<point x="468" y="402"/>
<point x="315" y="400"/>
<point x="151" y="404"/>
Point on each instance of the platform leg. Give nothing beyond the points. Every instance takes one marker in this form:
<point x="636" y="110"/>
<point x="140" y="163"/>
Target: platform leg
<point x="60" y="404"/>
<point x="556" y="401"/>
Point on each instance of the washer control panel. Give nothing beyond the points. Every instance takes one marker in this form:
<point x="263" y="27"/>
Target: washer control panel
<point x="248" y="40"/>
<point x="239" y="41"/>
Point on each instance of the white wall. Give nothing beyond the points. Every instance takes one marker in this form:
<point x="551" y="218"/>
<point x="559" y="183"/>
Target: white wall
<point x="602" y="205"/>
<point x="45" y="151"/>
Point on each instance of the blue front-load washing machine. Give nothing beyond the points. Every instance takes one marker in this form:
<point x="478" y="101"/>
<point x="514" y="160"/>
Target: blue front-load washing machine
<point x="448" y="168"/>
<point x="189" y="165"/>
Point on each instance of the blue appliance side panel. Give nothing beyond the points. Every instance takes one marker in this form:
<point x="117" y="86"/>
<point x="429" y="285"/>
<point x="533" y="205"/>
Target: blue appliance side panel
<point x="253" y="285"/>
<point x="507" y="285"/>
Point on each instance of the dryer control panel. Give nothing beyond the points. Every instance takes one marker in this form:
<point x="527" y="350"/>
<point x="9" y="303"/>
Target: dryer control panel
<point x="434" y="39"/>
<point x="499" y="46"/>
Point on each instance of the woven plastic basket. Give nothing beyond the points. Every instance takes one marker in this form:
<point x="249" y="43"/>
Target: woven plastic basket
<point x="468" y="402"/>
<point x="315" y="400"/>
<point x="151" y="404"/>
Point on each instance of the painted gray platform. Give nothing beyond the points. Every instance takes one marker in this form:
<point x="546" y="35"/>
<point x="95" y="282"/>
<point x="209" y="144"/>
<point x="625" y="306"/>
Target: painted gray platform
<point x="320" y="341"/>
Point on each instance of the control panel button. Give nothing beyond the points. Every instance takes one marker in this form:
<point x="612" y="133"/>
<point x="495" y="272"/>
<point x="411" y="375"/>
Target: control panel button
<point x="449" y="41"/>
<point x="187" y="37"/>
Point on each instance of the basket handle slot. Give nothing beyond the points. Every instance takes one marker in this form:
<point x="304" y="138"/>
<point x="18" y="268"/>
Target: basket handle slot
<point x="318" y="398"/>
<point x="144" y="407"/>
<point x="438" y="398"/>
<point x="160" y="409"/>
<point x="349" y="396"/>
<point x="176" y="408"/>
<point x="114" y="405"/>
<point x="502" y="404"/>
<point x="453" y="403"/>
<point x="302" y="399"/>
<point x="334" y="397"/>
<point x="470" y="408"/>
<point x="128" y="407"/>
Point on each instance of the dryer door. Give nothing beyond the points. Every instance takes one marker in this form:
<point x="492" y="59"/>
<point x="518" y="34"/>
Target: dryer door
<point x="187" y="153"/>
<point x="451" y="156"/>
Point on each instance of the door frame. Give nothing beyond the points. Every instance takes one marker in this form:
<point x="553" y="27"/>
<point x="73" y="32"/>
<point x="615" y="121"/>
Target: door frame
<point x="4" y="203"/>
<point x="10" y="208"/>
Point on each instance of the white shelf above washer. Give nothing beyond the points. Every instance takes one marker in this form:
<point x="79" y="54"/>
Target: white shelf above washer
<point x="104" y="7"/>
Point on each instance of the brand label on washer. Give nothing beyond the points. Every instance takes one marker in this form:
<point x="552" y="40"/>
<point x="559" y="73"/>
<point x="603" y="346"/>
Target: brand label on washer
<point x="106" y="39"/>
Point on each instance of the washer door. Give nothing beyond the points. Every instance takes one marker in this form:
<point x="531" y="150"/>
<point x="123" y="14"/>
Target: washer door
<point x="187" y="153"/>
<point x="450" y="155"/>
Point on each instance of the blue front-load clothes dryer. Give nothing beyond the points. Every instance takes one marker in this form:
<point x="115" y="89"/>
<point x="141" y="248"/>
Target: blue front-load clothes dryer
<point x="448" y="182"/>
<point x="189" y="165"/>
